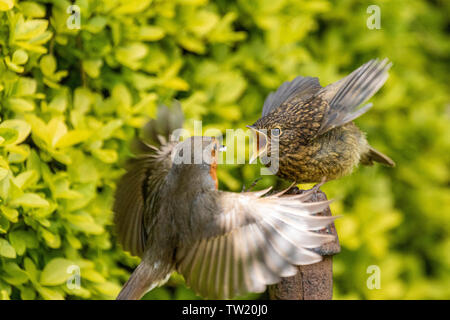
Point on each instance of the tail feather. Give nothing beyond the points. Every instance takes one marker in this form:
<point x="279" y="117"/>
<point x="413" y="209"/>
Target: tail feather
<point x="374" y="155"/>
<point x="143" y="279"/>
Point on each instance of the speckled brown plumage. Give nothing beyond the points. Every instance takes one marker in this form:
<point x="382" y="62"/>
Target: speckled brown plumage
<point x="317" y="138"/>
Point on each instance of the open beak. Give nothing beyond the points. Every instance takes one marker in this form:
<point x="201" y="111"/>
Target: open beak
<point x="261" y="143"/>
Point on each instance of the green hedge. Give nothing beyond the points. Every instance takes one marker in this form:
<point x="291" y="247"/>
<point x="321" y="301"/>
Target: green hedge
<point x="71" y="100"/>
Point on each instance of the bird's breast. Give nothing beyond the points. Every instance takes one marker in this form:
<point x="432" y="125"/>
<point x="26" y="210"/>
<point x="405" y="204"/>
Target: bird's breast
<point x="331" y="155"/>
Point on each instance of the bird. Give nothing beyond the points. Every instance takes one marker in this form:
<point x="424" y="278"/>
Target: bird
<point x="309" y="131"/>
<point x="169" y="211"/>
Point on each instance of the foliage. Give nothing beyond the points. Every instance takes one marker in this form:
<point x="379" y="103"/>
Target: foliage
<point x="72" y="99"/>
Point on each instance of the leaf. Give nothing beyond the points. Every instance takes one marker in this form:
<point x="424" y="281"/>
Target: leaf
<point x="96" y="24"/>
<point x="92" y="275"/>
<point x="17" y="242"/>
<point x="26" y="87"/>
<point x="10" y="213"/>
<point x="50" y="294"/>
<point x="4" y="225"/>
<point x="6" y="250"/>
<point x="26" y="178"/>
<point x="108" y="288"/>
<point x="73" y="241"/>
<point x="84" y="222"/>
<point x="92" y="67"/>
<point x="8" y="135"/>
<point x="151" y="33"/>
<point x="20" y="57"/>
<point x="105" y="155"/>
<point x="27" y="293"/>
<point x="3" y="173"/>
<point x="62" y="190"/>
<point x="32" y="9"/>
<point x="26" y="30"/>
<point x="31" y="269"/>
<point x="17" y="154"/>
<point x="131" y="54"/>
<point x="72" y="137"/>
<point x="58" y="103"/>
<point x="14" y="67"/>
<point x="55" y="272"/>
<point x="108" y="129"/>
<point x="56" y="129"/>
<point x="22" y="127"/>
<point x="20" y="105"/>
<point x="17" y="275"/>
<point x="30" y="200"/>
<point x="39" y="130"/>
<point x="131" y="6"/>
<point x="52" y="240"/>
<point x="48" y="65"/>
<point x="6" y="5"/>
<point x="192" y="44"/>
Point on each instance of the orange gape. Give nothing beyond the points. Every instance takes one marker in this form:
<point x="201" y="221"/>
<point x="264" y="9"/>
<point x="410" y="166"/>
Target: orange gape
<point x="213" y="169"/>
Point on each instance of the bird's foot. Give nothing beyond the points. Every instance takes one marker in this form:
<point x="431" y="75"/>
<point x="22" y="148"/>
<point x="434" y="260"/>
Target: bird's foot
<point x="244" y="189"/>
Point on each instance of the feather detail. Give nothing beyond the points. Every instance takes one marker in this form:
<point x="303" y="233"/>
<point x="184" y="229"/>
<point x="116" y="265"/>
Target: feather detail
<point x="347" y="94"/>
<point x="300" y="86"/>
<point x="250" y="241"/>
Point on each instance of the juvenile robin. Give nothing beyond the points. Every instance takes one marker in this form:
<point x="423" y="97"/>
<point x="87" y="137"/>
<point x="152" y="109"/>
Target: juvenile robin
<point x="169" y="211"/>
<point x="308" y="128"/>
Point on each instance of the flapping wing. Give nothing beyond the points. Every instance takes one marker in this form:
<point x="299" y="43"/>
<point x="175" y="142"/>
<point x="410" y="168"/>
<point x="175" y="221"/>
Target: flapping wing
<point x="301" y="87"/>
<point x="137" y="193"/>
<point x="250" y="241"/>
<point x="346" y="95"/>
<point x="137" y="197"/>
<point x="318" y="109"/>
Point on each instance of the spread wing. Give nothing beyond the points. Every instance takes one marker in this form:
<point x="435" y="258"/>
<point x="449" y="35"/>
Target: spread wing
<point x="346" y="95"/>
<point x="250" y="241"/>
<point x="137" y="193"/>
<point x="137" y="197"/>
<point x="318" y="109"/>
<point x="302" y="87"/>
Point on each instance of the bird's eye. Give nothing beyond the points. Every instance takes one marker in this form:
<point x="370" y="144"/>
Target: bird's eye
<point x="276" y="132"/>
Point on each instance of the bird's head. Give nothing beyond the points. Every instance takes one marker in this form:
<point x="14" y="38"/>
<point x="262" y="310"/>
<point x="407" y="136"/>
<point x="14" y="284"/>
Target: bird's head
<point x="271" y="133"/>
<point x="195" y="160"/>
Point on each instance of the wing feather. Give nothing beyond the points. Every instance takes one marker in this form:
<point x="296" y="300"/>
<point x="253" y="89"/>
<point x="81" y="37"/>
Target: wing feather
<point x="300" y="86"/>
<point x="250" y="241"/>
<point x="137" y="193"/>
<point x="346" y="95"/>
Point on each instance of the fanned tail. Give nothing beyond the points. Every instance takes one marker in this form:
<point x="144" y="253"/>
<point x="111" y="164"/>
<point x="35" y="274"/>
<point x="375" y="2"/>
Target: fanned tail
<point x="143" y="279"/>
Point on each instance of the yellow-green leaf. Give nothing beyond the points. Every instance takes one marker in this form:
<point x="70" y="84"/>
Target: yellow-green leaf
<point x="22" y="127"/>
<point x="55" y="272"/>
<point x="30" y="200"/>
<point x="6" y="249"/>
<point x="8" y="135"/>
<point x="10" y="213"/>
<point x="26" y="30"/>
<point x="72" y="137"/>
<point x="6" y="5"/>
<point x="50" y="294"/>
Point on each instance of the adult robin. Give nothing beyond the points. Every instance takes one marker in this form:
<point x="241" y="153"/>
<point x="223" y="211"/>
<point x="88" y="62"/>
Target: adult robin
<point x="308" y="130"/>
<point x="169" y="211"/>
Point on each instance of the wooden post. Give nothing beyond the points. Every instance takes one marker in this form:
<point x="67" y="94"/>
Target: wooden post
<point x="315" y="281"/>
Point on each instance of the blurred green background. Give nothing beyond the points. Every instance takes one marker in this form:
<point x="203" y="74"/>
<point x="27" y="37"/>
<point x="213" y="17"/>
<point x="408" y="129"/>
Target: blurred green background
<point x="71" y="100"/>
